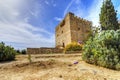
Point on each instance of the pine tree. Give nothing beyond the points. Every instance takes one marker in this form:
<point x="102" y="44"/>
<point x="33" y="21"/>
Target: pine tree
<point x="108" y="16"/>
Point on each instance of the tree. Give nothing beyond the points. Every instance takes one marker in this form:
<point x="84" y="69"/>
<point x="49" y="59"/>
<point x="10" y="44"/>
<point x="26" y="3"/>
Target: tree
<point x="119" y="23"/>
<point x="18" y="51"/>
<point x="23" y="51"/>
<point x="6" y="52"/>
<point x="103" y="49"/>
<point x="108" y="19"/>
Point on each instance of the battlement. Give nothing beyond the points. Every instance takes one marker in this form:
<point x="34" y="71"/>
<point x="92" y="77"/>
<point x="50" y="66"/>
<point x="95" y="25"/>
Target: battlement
<point x="74" y="17"/>
<point x="77" y="17"/>
<point x="72" y="28"/>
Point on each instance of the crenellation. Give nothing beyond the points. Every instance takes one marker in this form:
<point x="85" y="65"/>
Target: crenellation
<point x="73" y="28"/>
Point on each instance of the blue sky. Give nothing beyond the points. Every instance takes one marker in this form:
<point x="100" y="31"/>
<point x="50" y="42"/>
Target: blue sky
<point x="31" y="23"/>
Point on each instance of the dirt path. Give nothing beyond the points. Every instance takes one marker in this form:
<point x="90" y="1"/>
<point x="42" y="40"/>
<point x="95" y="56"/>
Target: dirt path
<point x="54" y="67"/>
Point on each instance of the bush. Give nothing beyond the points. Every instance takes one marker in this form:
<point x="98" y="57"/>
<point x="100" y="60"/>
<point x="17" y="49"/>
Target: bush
<point x="29" y="58"/>
<point x="73" y="47"/>
<point x="103" y="49"/>
<point x="6" y="52"/>
<point x="23" y="51"/>
<point x="18" y="52"/>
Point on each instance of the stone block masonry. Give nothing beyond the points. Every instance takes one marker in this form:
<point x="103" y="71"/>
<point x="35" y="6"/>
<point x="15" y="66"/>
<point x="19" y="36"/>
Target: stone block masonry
<point x="43" y="50"/>
<point x="72" y="29"/>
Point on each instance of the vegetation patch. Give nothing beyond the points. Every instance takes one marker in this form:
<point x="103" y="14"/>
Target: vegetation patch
<point x="6" y="52"/>
<point x="73" y="47"/>
<point x="103" y="49"/>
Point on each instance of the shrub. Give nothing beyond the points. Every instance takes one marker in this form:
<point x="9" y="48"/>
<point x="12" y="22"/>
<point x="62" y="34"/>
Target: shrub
<point x="29" y="58"/>
<point x="18" y="52"/>
<point x="103" y="49"/>
<point x="6" y="52"/>
<point x="23" y="51"/>
<point x="74" y="46"/>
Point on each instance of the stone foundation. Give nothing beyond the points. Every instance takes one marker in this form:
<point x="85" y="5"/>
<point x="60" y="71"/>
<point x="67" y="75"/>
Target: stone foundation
<point x="43" y="50"/>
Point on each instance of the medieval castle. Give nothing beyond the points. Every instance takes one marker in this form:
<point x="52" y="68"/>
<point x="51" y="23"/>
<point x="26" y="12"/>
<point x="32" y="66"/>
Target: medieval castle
<point x="72" y="29"/>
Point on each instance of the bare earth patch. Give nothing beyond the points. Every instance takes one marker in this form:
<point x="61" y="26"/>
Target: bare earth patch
<point x="54" y="67"/>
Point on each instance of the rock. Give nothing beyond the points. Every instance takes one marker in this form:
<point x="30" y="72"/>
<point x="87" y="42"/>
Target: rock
<point x="76" y="62"/>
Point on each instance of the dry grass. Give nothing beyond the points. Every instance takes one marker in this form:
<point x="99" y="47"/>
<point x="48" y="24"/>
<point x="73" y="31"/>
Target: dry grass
<point x="54" y="67"/>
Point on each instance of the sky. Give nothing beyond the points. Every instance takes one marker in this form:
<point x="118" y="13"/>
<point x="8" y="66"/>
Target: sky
<point x="31" y="23"/>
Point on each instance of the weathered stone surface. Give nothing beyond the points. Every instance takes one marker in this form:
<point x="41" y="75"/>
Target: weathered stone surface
<point x="43" y="50"/>
<point x="72" y="29"/>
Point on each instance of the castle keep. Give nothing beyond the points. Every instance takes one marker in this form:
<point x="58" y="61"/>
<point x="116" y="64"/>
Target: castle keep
<point x="72" y="29"/>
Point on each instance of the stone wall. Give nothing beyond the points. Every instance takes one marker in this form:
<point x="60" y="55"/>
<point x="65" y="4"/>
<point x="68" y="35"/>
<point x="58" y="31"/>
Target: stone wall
<point x="80" y="28"/>
<point x="72" y="29"/>
<point x="62" y="32"/>
<point x="43" y="50"/>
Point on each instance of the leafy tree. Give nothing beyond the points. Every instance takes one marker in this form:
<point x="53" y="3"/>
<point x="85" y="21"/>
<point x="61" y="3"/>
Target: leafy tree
<point x="95" y="30"/>
<point x="108" y="19"/>
<point x="23" y="51"/>
<point x="103" y="49"/>
<point x="6" y="52"/>
<point x="18" y="51"/>
<point x="119" y="24"/>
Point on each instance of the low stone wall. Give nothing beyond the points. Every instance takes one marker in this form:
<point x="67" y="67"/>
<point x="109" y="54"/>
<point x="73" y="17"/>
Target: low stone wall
<point x="43" y="50"/>
<point x="71" y="52"/>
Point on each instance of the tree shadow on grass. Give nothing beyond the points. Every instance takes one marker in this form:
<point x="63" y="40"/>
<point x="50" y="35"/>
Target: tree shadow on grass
<point x="7" y="61"/>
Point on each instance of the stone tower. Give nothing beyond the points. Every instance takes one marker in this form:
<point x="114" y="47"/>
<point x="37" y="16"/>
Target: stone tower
<point x="72" y="29"/>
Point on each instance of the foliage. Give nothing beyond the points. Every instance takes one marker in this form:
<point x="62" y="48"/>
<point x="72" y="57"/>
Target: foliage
<point x="119" y="25"/>
<point x="74" y="46"/>
<point x="95" y="30"/>
<point x="89" y="34"/>
<point x="18" y="51"/>
<point x="103" y="49"/>
<point x="29" y="58"/>
<point x="6" y="52"/>
<point x="108" y="19"/>
<point x="23" y="51"/>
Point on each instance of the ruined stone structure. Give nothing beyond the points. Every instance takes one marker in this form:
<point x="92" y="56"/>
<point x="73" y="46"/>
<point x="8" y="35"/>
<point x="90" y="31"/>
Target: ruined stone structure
<point x="43" y="50"/>
<point x="72" y="29"/>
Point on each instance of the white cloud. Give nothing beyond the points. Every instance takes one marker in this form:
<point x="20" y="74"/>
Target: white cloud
<point x="94" y="12"/>
<point x="14" y="10"/>
<point x="76" y="7"/>
<point x="8" y="10"/>
<point x="79" y="11"/>
<point x="46" y="2"/>
<point x="78" y="1"/>
<point x="58" y="19"/>
<point x="54" y="5"/>
<point x="13" y="33"/>
<point x="118" y="10"/>
<point x="68" y="6"/>
<point x="14" y="26"/>
<point x="25" y="34"/>
<point x="51" y="3"/>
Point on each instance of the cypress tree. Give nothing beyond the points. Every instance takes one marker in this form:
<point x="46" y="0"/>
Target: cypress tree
<point x="108" y="16"/>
